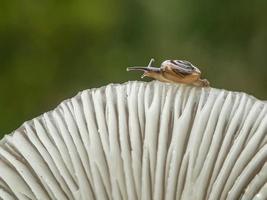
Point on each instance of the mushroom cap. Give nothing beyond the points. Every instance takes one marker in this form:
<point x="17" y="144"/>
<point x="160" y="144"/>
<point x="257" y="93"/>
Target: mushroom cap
<point x="140" y="140"/>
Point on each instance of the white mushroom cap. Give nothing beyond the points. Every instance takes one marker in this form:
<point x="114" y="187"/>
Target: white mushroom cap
<point x="140" y="141"/>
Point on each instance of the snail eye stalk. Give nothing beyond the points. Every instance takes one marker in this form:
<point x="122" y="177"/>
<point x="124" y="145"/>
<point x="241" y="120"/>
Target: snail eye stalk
<point x="150" y="62"/>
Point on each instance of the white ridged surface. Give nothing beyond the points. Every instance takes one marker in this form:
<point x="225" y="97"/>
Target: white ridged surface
<point x="140" y="141"/>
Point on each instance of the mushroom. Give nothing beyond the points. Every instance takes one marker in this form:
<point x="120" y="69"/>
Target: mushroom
<point x="140" y="141"/>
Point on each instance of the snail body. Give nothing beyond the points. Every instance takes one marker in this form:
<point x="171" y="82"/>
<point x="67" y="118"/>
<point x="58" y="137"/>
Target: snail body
<point x="173" y="71"/>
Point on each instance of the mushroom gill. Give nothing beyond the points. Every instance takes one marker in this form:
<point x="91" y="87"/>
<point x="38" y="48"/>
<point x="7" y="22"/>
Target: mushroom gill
<point x="140" y="141"/>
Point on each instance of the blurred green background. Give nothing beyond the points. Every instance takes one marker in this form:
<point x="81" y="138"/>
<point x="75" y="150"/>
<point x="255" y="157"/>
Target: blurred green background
<point x="50" y="50"/>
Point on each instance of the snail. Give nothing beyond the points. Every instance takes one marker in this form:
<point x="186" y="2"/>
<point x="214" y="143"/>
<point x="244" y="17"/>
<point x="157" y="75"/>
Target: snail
<point x="173" y="71"/>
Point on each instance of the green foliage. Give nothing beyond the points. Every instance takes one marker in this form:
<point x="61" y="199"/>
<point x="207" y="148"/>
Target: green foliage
<point x="50" y="50"/>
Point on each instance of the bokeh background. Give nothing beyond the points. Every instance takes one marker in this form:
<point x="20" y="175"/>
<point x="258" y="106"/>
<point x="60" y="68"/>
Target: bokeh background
<point x="50" y="50"/>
